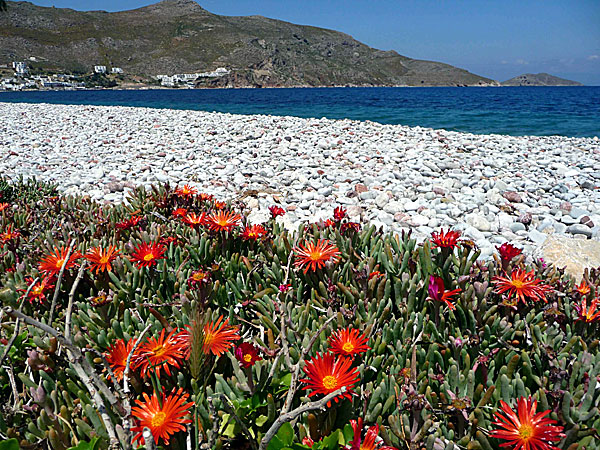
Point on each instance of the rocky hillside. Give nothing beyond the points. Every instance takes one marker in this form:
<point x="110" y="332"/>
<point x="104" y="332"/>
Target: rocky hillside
<point x="539" y="79"/>
<point x="176" y="36"/>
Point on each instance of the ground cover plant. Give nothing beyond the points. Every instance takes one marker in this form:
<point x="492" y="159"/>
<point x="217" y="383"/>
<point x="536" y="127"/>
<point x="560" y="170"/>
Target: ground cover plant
<point x="170" y="322"/>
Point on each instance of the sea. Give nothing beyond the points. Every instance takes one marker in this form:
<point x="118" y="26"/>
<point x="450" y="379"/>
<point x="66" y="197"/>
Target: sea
<point x="517" y="111"/>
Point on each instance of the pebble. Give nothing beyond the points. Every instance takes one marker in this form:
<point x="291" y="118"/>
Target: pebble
<point x="494" y="188"/>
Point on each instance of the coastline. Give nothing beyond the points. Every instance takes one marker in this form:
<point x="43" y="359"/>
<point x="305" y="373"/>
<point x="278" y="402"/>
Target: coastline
<point x="494" y="188"/>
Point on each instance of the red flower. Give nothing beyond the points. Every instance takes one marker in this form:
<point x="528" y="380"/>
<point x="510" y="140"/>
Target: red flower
<point x="329" y="223"/>
<point x="508" y="252"/>
<point x="437" y="291"/>
<point x="160" y="353"/>
<point x="39" y="289"/>
<point x="522" y="285"/>
<point x="206" y="197"/>
<point x="194" y="220"/>
<point x="179" y="212"/>
<point x="276" y="211"/>
<point x="129" y="223"/>
<point x="328" y="373"/>
<point x="164" y="418"/>
<point x="369" y="442"/>
<point x="146" y="255"/>
<point x="445" y="239"/>
<point x="199" y="278"/>
<point x="52" y="263"/>
<point x="220" y="205"/>
<point x="101" y="258"/>
<point x="283" y="288"/>
<point x="339" y="214"/>
<point x="350" y="226"/>
<point x="254" y="232"/>
<point x="117" y="357"/>
<point x="375" y="274"/>
<point x="3" y="206"/>
<point x="9" y="235"/>
<point x="525" y="429"/>
<point x="247" y="354"/>
<point x="583" y="288"/>
<point x="186" y="191"/>
<point x="348" y="342"/>
<point x="588" y="314"/>
<point x="219" y="337"/>
<point x="223" y="221"/>
<point x="315" y="256"/>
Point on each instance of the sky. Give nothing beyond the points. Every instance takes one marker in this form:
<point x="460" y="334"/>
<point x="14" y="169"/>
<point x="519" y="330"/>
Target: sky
<point x="498" y="39"/>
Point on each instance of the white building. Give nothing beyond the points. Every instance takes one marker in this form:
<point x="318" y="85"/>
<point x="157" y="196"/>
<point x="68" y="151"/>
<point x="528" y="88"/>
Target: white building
<point x="20" y="67"/>
<point x="116" y="70"/>
<point x="100" y="69"/>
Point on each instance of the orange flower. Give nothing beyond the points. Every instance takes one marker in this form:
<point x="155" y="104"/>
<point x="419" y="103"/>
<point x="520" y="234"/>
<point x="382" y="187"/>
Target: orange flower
<point x="438" y="292"/>
<point x="369" y="442"/>
<point x="180" y="212"/>
<point x="583" y="288"/>
<point x="315" y="256"/>
<point x="348" y="342"/>
<point x="101" y="258"/>
<point x="160" y="353"/>
<point x="206" y="197"/>
<point x="218" y="339"/>
<point x="223" y="221"/>
<point x="445" y="239"/>
<point x="146" y="255"/>
<point x="3" y="206"/>
<point x="522" y="284"/>
<point x="525" y="429"/>
<point x="39" y="289"/>
<point x="117" y="357"/>
<point x="194" y="220"/>
<point x="186" y="191"/>
<point x="9" y="235"/>
<point x="51" y="263"/>
<point x="254" y="232"/>
<point x="328" y="373"/>
<point x="129" y="223"/>
<point x="588" y="314"/>
<point x="220" y="205"/>
<point x="164" y="420"/>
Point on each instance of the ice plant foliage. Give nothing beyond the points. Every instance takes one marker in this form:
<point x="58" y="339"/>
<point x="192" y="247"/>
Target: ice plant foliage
<point x="146" y="255"/>
<point x="328" y="373"/>
<point x="348" y="342"/>
<point x="101" y="258"/>
<point x="52" y="263"/>
<point x="314" y="256"/>
<point x="438" y="292"/>
<point x="522" y="285"/>
<point x="223" y="221"/>
<point x="445" y="239"/>
<point x="219" y="337"/>
<point x="247" y="354"/>
<point x="164" y="418"/>
<point x="525" y="429"/>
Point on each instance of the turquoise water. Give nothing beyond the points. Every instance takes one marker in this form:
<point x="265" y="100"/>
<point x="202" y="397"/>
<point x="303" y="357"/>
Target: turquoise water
<point x="541" y="111"/>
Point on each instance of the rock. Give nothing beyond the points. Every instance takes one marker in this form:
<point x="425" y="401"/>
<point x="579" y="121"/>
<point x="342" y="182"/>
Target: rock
<point x="517" y="226"/>
<point x="578" y="228"/>
<point x="478" y="221"/>
<point x="537" y="237"/>
<point x="525" y="218"/>
<point x="585" y="220"/>
<point x="566" y="207"/>
<point x="574" y="255"/>
<point x="360" y="188"/>
<point x="512" y="196"/>
<point x="576" y="213"/>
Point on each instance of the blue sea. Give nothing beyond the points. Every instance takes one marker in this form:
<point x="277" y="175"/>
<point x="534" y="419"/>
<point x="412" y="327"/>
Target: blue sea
<point x="541" y="111"/>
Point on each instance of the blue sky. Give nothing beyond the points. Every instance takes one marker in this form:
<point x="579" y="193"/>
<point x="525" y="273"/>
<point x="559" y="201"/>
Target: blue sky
<point x="494" y="38"/>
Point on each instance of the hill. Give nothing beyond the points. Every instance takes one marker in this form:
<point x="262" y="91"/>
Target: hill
<point x="539" y="79"/>
<point x="179" y="36"/>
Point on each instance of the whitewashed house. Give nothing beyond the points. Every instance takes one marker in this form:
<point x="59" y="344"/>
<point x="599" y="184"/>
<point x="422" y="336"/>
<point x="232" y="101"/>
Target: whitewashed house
<point x="116" y="70"/>
<point x="100" y="69"/>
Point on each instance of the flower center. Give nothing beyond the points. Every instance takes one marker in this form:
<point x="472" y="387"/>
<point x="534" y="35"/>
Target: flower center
<point x="330" y="382"/>
<point x="248" y="357"/>
<point x="38" y="290"/>
<point x="316" y="256"/>
<point x="348" y="347"/>
<point x="148" y="257"/>
<point x="158" y="420"/>
<point x="59" y="263"/>
<point x="159" y="351"/>
<point x="518" y="284"/>
<point x="104" y="259"/>
<point x="526" y="431"/>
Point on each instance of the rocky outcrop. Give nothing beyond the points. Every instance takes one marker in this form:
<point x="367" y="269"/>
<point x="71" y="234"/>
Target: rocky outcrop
<point x="539" y="79"/>
<point x="575" y="255"/>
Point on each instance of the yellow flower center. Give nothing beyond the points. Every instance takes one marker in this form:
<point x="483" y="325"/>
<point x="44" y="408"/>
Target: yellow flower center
<point x="38" y="290"/>
<point x="518" y="284"/>
<point x="158" y="420"/>
<point x="330" y="382"/>
<point x="348" y="347"/>
<point x="104" y="259"/>
<point x="159" y="351"/>
<point x="222" y="223"/>
<point x="148" y="257"/>
<point x="59" y="263"/>
<point x="316" y="255"/>
<point x="526" y="431"/>
<point x="248" y="357"/>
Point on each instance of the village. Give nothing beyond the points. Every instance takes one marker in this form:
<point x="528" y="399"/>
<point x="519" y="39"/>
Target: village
<point x="102" y="76"/>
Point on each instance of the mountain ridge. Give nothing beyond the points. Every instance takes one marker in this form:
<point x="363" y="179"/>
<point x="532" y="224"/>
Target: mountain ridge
<point x="539" y="79"/>
<point x="180" y="36"/>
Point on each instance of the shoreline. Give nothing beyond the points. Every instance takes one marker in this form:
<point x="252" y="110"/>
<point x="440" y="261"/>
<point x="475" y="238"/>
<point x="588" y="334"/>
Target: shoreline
<point x="494" y="188"/>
